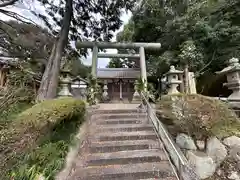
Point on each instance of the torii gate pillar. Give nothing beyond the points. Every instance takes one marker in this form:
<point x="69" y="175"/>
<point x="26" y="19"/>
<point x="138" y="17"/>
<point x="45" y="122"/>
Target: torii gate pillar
<point x="94" y="61"/>
<point x="143" y="65"/>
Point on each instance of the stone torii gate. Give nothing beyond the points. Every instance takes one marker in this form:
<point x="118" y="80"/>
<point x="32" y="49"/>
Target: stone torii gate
<point x="115" y="45"/>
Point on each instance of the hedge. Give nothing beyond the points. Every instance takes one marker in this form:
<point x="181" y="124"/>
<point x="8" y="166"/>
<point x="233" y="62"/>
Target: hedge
<point x="42" y="131"/>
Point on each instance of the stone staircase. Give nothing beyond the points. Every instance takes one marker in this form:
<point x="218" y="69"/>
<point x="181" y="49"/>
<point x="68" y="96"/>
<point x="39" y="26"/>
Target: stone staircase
<point x="122" y="144"/>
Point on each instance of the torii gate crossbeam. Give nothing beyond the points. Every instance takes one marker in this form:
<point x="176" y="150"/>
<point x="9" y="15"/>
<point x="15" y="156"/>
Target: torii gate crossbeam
<point x="117" y="45"/>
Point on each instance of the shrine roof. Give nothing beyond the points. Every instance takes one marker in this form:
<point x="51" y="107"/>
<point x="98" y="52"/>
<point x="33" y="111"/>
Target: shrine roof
<point x="233" y="66"/>
<point x="80" y="79"/>
<point x="8" y="60"/>
<point x="132" y="73"/>
<point x="13" y="62"/>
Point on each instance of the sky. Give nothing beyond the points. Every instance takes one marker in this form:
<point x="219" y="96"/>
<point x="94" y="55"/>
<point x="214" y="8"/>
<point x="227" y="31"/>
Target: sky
<point x="23" y="10"/>
<point x="104" y="61"/>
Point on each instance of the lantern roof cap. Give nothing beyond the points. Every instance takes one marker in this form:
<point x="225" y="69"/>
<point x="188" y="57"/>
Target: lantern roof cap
<point x="172" y="70"/>
<point x="233" y="65"/>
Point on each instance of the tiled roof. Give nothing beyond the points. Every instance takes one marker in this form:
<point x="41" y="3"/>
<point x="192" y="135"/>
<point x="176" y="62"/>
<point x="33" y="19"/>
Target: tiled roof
<point x="118" y="73"/>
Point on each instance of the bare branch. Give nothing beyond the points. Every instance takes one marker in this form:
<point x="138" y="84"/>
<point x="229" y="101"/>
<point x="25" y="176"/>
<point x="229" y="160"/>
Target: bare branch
<point x="208" y="64"/>
<point x="4" y="31"/>
<point x="7" y="23"/>
<point x="17" y="16"/>
<point x="7" y="33"/>
<point x="7" y="3"/>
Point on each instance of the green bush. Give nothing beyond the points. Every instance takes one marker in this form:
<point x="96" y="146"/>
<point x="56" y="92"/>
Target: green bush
<point x="38" y="139"/>
<point x="199" y="116"/>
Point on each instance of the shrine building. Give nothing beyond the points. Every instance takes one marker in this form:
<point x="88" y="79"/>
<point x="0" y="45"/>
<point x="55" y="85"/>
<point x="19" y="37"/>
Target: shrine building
<point x="119" y="82"/>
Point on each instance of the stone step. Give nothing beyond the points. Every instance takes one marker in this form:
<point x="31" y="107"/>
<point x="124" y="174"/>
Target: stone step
<point x="167" y="178"/>
<point x="119" y="121"/>
<point x="125" y="172"/>
<point x="113" y="146"/>
<point x="121" y="116"/>
<point x="126" y="157"/>
<point x="110" y="111"/>
<point x="122" y="136"/>
<point x="124" y="127"/>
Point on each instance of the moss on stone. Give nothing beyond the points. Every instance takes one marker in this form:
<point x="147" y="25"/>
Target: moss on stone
<point x="228" y="166"/>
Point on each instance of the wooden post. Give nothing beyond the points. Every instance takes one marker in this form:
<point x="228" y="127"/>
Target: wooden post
<point x="34" y="86"/>
<point x="120" y="87"/>
<point x="186" y="85"/>
<point x="128" y="90"/>
<point x="112" y="96"/>
<point x="182" y="84"/>
<point x="1" y="77"/>
<point x="94" y="61"/>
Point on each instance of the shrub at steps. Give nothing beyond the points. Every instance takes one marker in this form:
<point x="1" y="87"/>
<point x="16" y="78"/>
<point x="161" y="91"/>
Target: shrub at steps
<point x="207" y="132"/>
<point x="38" y="139"/>
<point x="199" y="116"/>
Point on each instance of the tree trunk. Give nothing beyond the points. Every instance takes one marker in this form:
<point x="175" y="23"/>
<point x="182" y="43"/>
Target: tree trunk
<point x="49" y="82"/>
<point x="186" y="83"/>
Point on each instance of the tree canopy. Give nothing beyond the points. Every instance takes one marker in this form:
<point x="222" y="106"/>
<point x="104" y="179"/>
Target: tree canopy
<point x="213" y="27"/>
<point x="32" y="44"/>
<point x="202" y="34"/>
<point x="205" y="34"/>
<point x="67" y="21"/>
<point x="25" y="40"/>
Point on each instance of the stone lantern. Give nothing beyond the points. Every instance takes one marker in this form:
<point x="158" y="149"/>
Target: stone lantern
<point x="4" y="69"/>
<point x="173" y="80"/>
<point x="233" y="79"/>
<point x="136" y="95"/>
<point x="65" y="83"/>
<point x="105" y="91"/>
<point x="79" y="88"/>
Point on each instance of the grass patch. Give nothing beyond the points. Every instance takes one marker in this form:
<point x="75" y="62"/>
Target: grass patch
<point x="38" y="140"/>
<point x="199" y="116"/>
